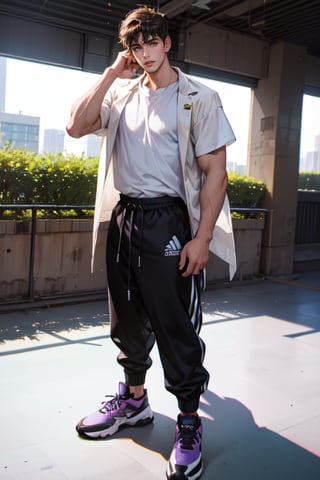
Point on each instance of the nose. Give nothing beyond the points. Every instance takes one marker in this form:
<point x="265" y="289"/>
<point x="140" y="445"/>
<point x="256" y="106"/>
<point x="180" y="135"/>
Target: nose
<point x="146" y="51"/>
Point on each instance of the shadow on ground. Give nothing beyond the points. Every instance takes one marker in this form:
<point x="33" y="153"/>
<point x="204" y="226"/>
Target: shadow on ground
<point x="31" y="323"/>
<point x="234" y="446"/>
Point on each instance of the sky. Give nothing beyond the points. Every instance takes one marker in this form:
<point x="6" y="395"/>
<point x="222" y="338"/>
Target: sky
<point x="49" y="91"/>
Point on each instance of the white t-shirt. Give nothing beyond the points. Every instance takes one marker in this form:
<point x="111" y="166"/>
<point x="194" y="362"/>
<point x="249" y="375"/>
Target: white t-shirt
<point x="146" y="153"/>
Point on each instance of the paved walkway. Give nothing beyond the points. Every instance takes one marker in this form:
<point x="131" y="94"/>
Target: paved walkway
<point x="261" y="414"/>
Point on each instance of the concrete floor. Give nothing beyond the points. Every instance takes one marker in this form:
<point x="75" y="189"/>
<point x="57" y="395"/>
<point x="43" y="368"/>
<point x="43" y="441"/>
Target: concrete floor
<point x="261" y="414"/>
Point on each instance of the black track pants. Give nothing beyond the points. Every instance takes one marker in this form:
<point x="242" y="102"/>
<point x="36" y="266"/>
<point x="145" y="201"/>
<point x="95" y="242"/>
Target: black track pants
<point x="150" y="300"/>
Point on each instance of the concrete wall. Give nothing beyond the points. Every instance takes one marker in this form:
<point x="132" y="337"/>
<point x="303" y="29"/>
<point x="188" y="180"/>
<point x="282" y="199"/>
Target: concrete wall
<point x="63" y="251"/>
<point x="61" y="260"/>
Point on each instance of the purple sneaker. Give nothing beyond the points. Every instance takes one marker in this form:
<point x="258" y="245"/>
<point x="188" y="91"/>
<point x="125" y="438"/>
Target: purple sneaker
<point x="185" y="462"/>
<point x="122" y="410"/>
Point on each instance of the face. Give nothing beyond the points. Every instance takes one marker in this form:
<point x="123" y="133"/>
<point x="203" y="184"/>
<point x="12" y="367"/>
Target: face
<point x="150" y="55"/>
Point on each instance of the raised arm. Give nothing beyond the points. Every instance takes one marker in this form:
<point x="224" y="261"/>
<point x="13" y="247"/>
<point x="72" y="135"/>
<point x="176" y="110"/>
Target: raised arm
<point x="85" y="112"/>
<point x="196" y="252"/>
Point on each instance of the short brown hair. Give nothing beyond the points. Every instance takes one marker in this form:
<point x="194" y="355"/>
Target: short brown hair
<point x="142" y="20"/>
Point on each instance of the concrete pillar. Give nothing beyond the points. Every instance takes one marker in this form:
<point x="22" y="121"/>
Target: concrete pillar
<point x="274" y="151"/>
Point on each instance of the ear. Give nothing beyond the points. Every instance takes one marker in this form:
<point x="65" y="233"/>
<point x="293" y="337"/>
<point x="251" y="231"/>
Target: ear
<point x="167" y="44"/>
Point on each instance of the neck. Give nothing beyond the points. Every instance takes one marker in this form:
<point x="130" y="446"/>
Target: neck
<point x="163" y="77"/>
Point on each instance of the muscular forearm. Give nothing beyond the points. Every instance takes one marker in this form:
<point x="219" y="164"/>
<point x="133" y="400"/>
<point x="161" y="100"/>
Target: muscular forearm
<point x="85" y="112"/>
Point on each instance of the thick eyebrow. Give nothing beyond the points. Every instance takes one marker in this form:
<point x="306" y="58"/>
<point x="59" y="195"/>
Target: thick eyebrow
<point x="134" y="45"/>
<point x="150" y="40"/>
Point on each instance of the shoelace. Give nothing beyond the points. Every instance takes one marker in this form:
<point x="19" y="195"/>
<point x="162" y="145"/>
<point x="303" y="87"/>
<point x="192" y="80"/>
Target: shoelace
<point x="111" y="405"/>
<point x="187" y="436"/>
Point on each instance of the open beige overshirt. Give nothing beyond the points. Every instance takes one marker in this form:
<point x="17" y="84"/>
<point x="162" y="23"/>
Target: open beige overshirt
<point x="193" y="101"/>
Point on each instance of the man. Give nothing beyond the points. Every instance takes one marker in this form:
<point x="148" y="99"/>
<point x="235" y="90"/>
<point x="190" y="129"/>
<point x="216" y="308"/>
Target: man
<point x="166" y="136"/>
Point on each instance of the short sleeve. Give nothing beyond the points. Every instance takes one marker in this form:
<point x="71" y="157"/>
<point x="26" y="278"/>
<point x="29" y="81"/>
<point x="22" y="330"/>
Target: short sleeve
<point x="210" y="127"/>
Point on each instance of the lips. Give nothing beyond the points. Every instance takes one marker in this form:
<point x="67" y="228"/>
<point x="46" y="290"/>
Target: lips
<point x="148" y="64"/>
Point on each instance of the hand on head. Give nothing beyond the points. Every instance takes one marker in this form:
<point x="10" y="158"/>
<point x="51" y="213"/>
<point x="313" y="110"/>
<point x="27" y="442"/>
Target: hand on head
<point x="124" y="65"/>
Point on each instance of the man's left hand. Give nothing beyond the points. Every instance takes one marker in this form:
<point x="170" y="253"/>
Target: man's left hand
<point x="194" y="257"/>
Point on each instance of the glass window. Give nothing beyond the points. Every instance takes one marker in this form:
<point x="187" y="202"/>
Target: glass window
<point x="310" y="134"/>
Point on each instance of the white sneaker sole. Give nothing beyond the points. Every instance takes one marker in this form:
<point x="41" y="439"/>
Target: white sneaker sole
<point x="190" y="472"/>
<point x="143" y="418"/>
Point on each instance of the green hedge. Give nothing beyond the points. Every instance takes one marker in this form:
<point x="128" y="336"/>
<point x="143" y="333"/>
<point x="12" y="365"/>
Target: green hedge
<point x="244" y="191"/>
<point x="309" y="181"/>
<point x="29" y="178"/>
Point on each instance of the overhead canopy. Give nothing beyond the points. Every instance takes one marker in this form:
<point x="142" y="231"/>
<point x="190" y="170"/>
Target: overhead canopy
<point x="83" y="34"/>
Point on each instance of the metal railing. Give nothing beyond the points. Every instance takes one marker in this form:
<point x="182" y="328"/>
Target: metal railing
<point x="308" y="218"/>
<point x="247" y="212"/>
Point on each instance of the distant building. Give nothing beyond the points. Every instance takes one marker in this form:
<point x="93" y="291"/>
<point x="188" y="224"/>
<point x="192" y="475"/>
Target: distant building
<point x="242" y="169"/>
<point x="93" y="145"/>
<point x="22" y="131"/>
<point x="236" y="167"/>
<point x="53" y="141"/>
<point x="311" y="162"/>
